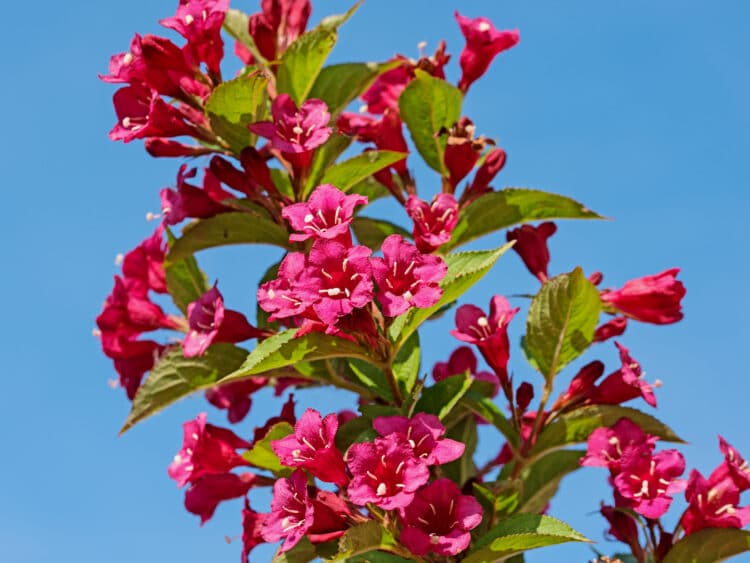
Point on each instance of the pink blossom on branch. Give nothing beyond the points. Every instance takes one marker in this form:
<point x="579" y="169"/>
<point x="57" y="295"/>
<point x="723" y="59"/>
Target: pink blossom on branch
<point x="712" y="503"/>
<point x="734" y="467"/>
<point x="208" y="491"/>
<point x="280" y="297"/>
<point x="648" y="482"/>
<point x="617" y="446"/>
<point x="424" y="434"/>
<point x="434" y="222"/>
<point x="291" y="511"/>
<point x="144" y="264"/>
<point x="625" y="384"/>
<point x="326" y="215"/>
<point x="235" y="397"/>
<point x="531" y="246"/>
<point x="463" y="360"/>
<point x="651" y="299"/>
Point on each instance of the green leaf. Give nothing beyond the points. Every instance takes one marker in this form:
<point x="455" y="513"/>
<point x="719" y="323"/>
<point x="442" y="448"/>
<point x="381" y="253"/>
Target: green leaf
<point x="561" y="322"/>
<point x="463" y="469"/>
<point x="236" y="24"/>
<point x="225" y="229"/>
<point x="185" y="280"/>
<point x="303" y="552"/>
<point x="576" y="426"/>
<point x="371" y="188"/>
<point x="337" y="20"/>
<point x="324" y="157"/>
<point x="348" y="173"/>
<point x="234" y="105"/>
<point x="464" y="270"/>
<point x="440" y="398"/>
<point x="284" y="349"/>
<point x="174" y="377"/>
<point x="709" y="546"/>
<point x="377" y="557"/>
<point x="485" y="408"/>
<point x="541" y="479"/>
<point x="363" y="538"/>
<point x="511" y="206"/>
<point x="372" y="232"/>
<point x="519" y="533"/>
<point x="348" y="432"/>
<point x="357" y="77"/>
<point x="261" y="455"/>
<point x="406" y="364"/>
<point x="371" y="377"/>
<point x="282" y="182"/>
<point x="428" y="105"/>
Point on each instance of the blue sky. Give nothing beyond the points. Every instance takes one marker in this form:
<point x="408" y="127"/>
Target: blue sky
<point x="638" y="109"/>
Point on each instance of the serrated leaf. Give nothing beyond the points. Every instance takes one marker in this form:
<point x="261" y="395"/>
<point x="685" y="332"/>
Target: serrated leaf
<point x="175" y="376"/>
<point x="372" y="232"/>
<point x="261" y="455"/>
<point x="324" y="157"/>
<point x="439" y="399"/>
<point x="303" y="552"/>
<point x="336" y="20"/>
<point x="427" y="105"/>
<point x="561" y="322"/>
<point x="519" y="533"/>
<point x="185" y="280"/>
<point x="370" y="377"/>
<point x="406" y="364"/>
<point x="541" y="479"/>
<point x="576" y="426"/>
<point x="464" y="270"/>
<point x="709" y="546"/>
<point x="225" y="229"/>
<point x="356" y="76"/>
<point x="234" y="105"/>
<point x="512" y="206"/>
<point x="485" y="408"/>
<point x="463" y="469"/>
<point x="348" y="173"/>
<point x="284" y="349"/>
<point x="369" y="536"/>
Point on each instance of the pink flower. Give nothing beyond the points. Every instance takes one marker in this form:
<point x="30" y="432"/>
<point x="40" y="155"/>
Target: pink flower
<point x="582" y="387"/>
<point x="486" y="173"/>
<point x="200" y="21"/>
<point x="295" y="131"/>
<point x="280" y="296"/>
<point x="433" y="223"/>
<point x="713" y="503"/>
<point x="531" y="246"/>
<point x="439" y="520"/>
<point x="463" y="360"/>
<point x="234" y="397"/>
<point x="524" y="396"/>
<point x="209" y="322"/>
<point x="132" y="358"/>
<point x="385" y="91"/>
<point x="159" y="147"/>
<point x="623" y="526"/>
<point x="275" y="28"/>
<point x="337" y="279"/>
<point x="489" y="333"/>
<point x="326" y="215"/>
<point x="618" y="446"/>
<point x="648" y="482"/>
<point x="142" y="113"/>
<point x="207" y="491"/>
<point x="385" y="473"/>
<point x="734" y="467"/>
<point x="625" y="384"/>
<point x="291" y="511"/>
<point x="130" y="312"/>
<point x="610" y="329"/>
<point x="424" y="434"/>
<point x="331" y="515"/>
<point x="286" y="415"/>
<point x="406" y="277"/>
<point x="651" y="299"/>
<point x="483" y="43"/>
<point x="189" y="201"/>
<point x="206" y="449"/>
<point x="312" y="447"/>
<point x="463" y="150"/>
<point x="252" y="526"/>
<point x="144" y="265"/>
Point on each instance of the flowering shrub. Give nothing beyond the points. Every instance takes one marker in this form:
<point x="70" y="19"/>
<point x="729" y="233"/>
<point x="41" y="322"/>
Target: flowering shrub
<point x="284" y="163"/>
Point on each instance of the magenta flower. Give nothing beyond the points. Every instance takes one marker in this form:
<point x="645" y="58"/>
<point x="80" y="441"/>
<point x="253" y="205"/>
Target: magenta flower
<point x="280" y="297"/>
<point x="291" y="511"/>
<point x="144" y="265"/>
<point x="583" y="385"/>
<point x="651" y="299"/>
<point x="200" y="21"/>
<point x="623" y="526"/>
<point x="295" y="131"/>
<point x="132" y="358"/>
<point x="648" y="482"/>
<point x="493" y="163"/>
<point x="531" y="246"/>
<point x="141" y="112"/>
<point x="331" y="516"/>
<point x="463" y="150"/>
<point x="439" y="519"/>
<point x="312" y="447"/>
<point x="712" y="504"/>
<point x="252" y="526"/>
<point x="424" y="434"/>
<point x="206" y="449"/>
<point x="433" y="223"/>
<point x="189" y="201"/>
<point x="406" y="278"/>
<point x="483" y="43"/>
<point x="234" y="397"/>
<point x="275" y="28"/>
<point x="337" y="280"/>
<point x="463" y="360"/>
<point x="610" y="329"/>
<point x="159" y="147"/>
<point x="734" y="467"/>
<point x="625" y="384"/>
<point x="326" y="215"/>
<point x="489" y="333"/>
<point x="385" y="473"/>
<point x="207" y="491"/>
<point x="617" y="446"/>
<point x="385" y="90"/>
<point x="524" y="396"/>
<point x="130" y="312"/>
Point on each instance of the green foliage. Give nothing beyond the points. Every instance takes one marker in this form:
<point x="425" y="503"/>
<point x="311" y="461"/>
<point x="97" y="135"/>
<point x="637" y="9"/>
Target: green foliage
<point x="576" y="426"/>
<point x="175" y="376"/>
<point x="363" y="538"/>
<point x="303" y="552"/>
<point x="185" y="280"/>
<point x="406" y="364"/>
<point x="541" y="480"/>
<point x="350" y="172"/>
<point x="485" y="408"/>
<point x="463" y="469"/>
<point x="440" y="398"/>
<point x="234" y="105"/>
<point x="520" y="533"/>
<point x="325" y="156"/>
<point x="498" y="210"/>
<point x="357" y="78"/>
<point x="561" y="322"/>
<point x="428" y="105"/>
<point x="236" y="24"/>
<point x="261" y="455"/>
<point x="709" y="546"/>
<point x="372" y="232"/>
<point x="225" y="229"/>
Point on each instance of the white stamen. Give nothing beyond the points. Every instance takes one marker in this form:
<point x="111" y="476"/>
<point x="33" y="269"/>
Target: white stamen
<point x="407" y="295"/>
<point x="189" y="19"/>
<point x="381" y="490"/>
<point x="308" y="218"/>
<point x="484" y="26"/>
<point x="119" y="259"/>
<point x="127" y="59"/>
<point x="298" y="130"/>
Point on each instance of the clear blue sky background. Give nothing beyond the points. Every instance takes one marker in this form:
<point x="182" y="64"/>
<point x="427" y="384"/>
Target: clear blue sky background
<point x="639" y="109"/>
